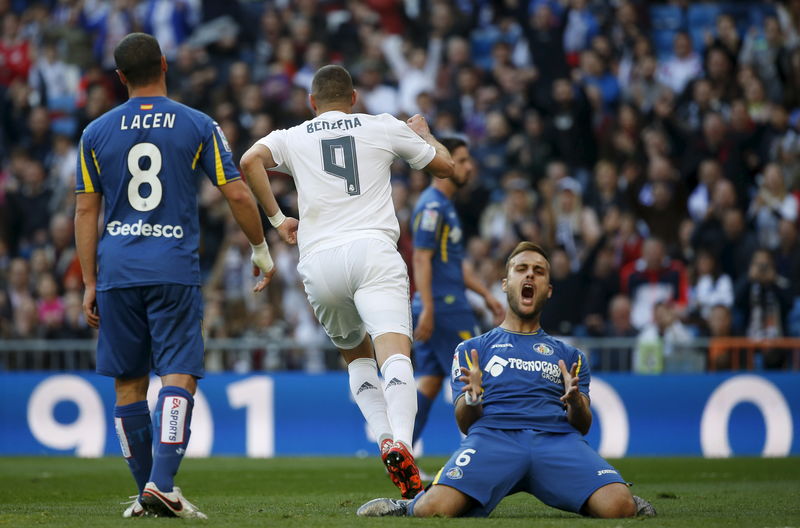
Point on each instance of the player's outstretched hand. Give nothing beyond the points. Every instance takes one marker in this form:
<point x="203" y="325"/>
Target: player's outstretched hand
<point x="473" y="377"/>
<point x="262" y="263"/>
<point x="571" y="392"/>
<point x="418" y="124"/>
<point x="264" y="280"/>
<point x="90" y="307"/>
<point x="424" y="328"/>
<point x="288" y="230"/>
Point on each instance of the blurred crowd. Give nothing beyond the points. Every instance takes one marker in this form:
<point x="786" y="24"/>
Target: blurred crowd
<point x="652" y="148"/>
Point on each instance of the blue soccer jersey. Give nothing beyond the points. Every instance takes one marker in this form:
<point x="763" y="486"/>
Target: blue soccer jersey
<point x="145" y="157"/>
<point x="437" y="227"/>
<point x="522" y="381"/>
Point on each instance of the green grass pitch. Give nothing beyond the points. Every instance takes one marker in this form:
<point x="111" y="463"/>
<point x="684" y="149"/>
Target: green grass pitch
<point x="325" y="492"/>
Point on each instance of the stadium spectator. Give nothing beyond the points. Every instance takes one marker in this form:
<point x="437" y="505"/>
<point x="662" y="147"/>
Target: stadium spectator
<point x="644" y="88"/>
<point x="659" y="201"/>
<point x="415" y="74"/>
<point x="376" y="96"/>
<point x="529" y="150"/>
<point x="617" y="358"/>
<point x="600" y="279"/>
<point x="771" y="205"/>
<point x="763" y="300"/>
<point x="700" y="200"/>
<point x="761" y="50"/>
<point x="787" y="254"/>
<point x="653" y="279"/>
<point x="720" y="325"/>
<point x="738" y="244"/>
<point x="711" y="287"/>
<point x="683" y="66"/>
<point x="15" y="52"/>
<point x="28" y="208"/>
<point x="581" y="26"/>
<point x="562" y="314"/>
<point x="569" y="123"/>
<point x="605" y="193"/>
<point x="726" y="37"/>
<point x="660" y="341"/>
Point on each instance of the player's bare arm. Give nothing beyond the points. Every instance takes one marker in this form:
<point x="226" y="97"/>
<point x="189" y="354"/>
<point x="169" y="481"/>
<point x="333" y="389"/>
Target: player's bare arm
<point x="87" y="213"/>
<point x="254" y="164"/>
<point x="423" y="278"/>
<point x="245" y="212"/>
<point x="469" y="408"/>
<point x="472" y="282"/>
<point x="441" y="166"/>
<point x="579" y="415"/>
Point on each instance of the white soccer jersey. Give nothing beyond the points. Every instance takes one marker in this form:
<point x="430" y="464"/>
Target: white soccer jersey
<point x="340" y="164"/>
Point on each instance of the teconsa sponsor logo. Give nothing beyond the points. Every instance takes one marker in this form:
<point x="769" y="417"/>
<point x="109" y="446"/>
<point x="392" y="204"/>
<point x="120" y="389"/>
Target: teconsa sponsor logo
<point x="117" y="228"/>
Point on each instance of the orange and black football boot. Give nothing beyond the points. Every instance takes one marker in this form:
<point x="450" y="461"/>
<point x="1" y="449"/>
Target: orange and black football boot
<point x="402" y="469"/>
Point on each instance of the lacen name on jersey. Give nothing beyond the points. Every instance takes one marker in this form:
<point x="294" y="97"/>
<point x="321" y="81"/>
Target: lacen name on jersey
<point x="154" y="120"/>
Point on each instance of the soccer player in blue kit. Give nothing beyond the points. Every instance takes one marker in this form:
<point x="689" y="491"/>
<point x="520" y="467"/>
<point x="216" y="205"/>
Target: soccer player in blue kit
<point x="442" y="315"/>
<point x="524" y="415"/>
<point x="144" y="160"/>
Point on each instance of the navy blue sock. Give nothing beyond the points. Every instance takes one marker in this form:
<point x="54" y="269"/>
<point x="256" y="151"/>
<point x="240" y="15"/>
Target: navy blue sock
<point x="423" y="408"/>
<point x="135" y="434"/>
<point x="410" y="505"/>
<point x="170" y="434"/>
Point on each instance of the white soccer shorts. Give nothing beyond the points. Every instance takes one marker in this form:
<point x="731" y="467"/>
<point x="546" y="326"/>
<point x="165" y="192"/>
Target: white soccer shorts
<point x="358" y="288"/>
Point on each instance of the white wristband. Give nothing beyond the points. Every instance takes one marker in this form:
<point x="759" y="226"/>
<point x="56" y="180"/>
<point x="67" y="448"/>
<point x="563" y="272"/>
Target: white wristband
<point x="471" y="401"/>
<point x="277" y="219"/>
<point x="261" y="257"/>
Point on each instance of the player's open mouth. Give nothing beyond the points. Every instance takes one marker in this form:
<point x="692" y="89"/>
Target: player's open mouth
<point x="527" y="293"/>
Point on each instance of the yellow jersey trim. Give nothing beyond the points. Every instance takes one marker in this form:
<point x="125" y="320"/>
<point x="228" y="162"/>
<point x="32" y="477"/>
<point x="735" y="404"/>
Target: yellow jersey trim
<point x="96" y="164"/>
<point x="197" y="155"/>
<point x="436" y="478"/>
<point x="88" y="186"/>
<point x="578" y="370"/>
<point x="445" y="235"/>
<point x="218" y="163"/>
<point x="469" y="361"/>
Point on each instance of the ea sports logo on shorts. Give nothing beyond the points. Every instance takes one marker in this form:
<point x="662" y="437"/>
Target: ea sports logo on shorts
<point x="495" y="366"/>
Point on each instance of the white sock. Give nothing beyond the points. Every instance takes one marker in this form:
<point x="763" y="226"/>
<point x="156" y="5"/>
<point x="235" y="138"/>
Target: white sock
<point x="366" y="390"/>
<point x="400" y="392"/>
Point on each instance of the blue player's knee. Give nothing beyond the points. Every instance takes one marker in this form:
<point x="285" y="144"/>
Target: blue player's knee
<point x="441" y="501"/>
<point x="614" y="503"/>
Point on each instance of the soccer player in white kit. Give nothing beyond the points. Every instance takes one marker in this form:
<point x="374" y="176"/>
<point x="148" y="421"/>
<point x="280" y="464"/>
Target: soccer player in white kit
<point x="355" y="279"/>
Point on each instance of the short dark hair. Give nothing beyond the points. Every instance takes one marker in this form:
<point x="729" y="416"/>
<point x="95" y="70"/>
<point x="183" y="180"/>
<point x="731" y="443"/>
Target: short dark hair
<point x="527" y="246"/>
<point x="332" y="84"/>
<point x="138" y="57"/>
<point x="452" y="143"/>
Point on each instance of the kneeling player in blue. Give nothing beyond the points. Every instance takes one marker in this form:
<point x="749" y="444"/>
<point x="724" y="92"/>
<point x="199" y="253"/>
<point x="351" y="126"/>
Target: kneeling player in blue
<point x="142" y="278"/>
<point x="524" y="414"/>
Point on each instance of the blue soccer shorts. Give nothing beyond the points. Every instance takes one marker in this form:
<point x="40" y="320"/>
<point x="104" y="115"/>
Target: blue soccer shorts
<point x="144" y="328"/>
<point x="560" y="469"/>
<point x="434" y="357"/>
